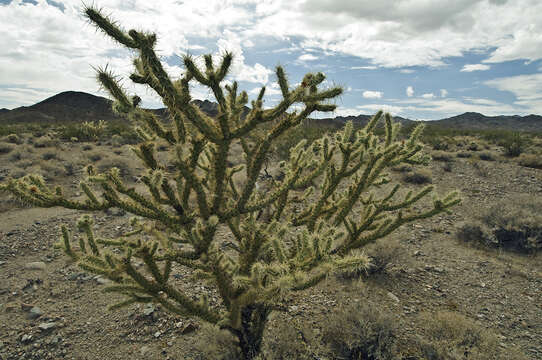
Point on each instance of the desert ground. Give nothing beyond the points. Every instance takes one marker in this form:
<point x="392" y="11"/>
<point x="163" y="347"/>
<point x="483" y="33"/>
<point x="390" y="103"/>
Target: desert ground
<point x="433" y="295"/>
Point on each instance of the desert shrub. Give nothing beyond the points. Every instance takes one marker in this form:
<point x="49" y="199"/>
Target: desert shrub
<point x="45" y="142"/>
<point x="6" y="148"/>
<point x="87" y="147"/>
<point x="418" y="176"/>
<point x="382" y="254"/>
<point x="447" y="166"/>
<point x="69" y="168"/>
<point x="16" y="156"/>
<point x="51" y="171"/>
<point x="117" y="140"/>
<point x="87" y="131"/>
<point x="514" y="144"/>
<point x="286" y="341"/>
<point x="214" y="343"/>
<point x="487" y="156"/>
<point x="360" y="332"/>
<point x="441" y="156"/>
<point x="436" y="142"/>
<point x="511" y="225"/>
<point x="463" y="155"/>
<point x="473" y="146"/>
<point x="95" y="156"/>
<point x="14" y="139"/>
<point x="480" y="169"/>
<point x="122" y="133"/>
<point x="474" y="234"/>
<point x="530" y="160"/>
<point x="452" y="336"/>
<point x="49" y="155"/>
<point x="303" y="132"/>
<point x="115" y="162"/>
<point x="516" y="224"/>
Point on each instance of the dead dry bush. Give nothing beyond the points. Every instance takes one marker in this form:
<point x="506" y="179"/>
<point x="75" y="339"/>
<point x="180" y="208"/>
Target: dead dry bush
<point x="452" y="336"/>
<point x="6" y="148"/>
<point x="418" y="177"/>
<point x="442" y="156"/>
<point x="510" y="225"/>
<point x="286" y="341"/>
<point x="46" y="142"/>
<point x="213" y="343"/>
<point x="487" y="156"/>
<point x="383" y="254"/>
<point x="463" y="155"/>
<point x="360" y="332"/>
<point x="530" y="160"/>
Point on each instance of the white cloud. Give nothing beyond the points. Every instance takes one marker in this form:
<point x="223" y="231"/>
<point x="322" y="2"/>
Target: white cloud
<point x="526" y="88"/>
<point x="428" y="96"/>
<point x="410" y="91"/>
<point x="369" y="67"/>
<point x="241" y="71"/>
<point x="443" y="92"/>
<point x="368" y="94"/>
<point x="394" y="33"/>
<point x="373" y="108"/>
<point x="406" y="71"/>
<point x="307" y="57"/>
<point x="441" y="108"/>
<point x="475" y="67"/>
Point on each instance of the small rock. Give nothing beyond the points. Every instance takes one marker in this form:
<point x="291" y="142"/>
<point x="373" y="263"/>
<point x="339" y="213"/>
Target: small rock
<point x="2" y="263"/>
<point x="47" y="326"/>
<point x="36" y="265"/>
<point x="149" y="309"/>
<point x="102" y="281"/>
<point x="26" y="307"/>
<point x="26" y="338"/>
<point x="392" y="296"/>
<point x="293" y="308"/>
<point x="157" y="334"/>
<point x="35" y="313"/>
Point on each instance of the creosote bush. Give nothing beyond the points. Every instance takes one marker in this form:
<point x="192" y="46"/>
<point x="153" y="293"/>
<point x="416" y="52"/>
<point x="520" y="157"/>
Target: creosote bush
<point x="360" y="332"/>
<point x="286" y="239"/>
<point x="510" y="225"/>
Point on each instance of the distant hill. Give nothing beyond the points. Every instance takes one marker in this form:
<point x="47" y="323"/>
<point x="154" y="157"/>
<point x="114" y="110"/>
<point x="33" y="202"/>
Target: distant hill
<point x="473" y="120"/>
<point x="75" y="106"/>
<point x="468" y="120"/>
<point x="64" y="107"/>
<point x="79" y="106"/>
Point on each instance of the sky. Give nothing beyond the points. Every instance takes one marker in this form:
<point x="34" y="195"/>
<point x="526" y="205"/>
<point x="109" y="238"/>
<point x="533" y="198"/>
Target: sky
<point x="420" y="59"/>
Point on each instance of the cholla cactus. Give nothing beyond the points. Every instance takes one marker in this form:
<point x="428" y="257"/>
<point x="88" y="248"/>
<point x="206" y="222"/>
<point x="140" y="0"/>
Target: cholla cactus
<point x="320" y="214"/>
<point x="93" y="130"/>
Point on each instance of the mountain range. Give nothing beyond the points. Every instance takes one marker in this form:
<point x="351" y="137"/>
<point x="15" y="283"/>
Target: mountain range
<point x="79" y="106"/>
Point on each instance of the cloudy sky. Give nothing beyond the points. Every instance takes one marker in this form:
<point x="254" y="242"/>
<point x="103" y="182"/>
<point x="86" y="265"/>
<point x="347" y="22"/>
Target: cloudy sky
<point x="424" y="59"/>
